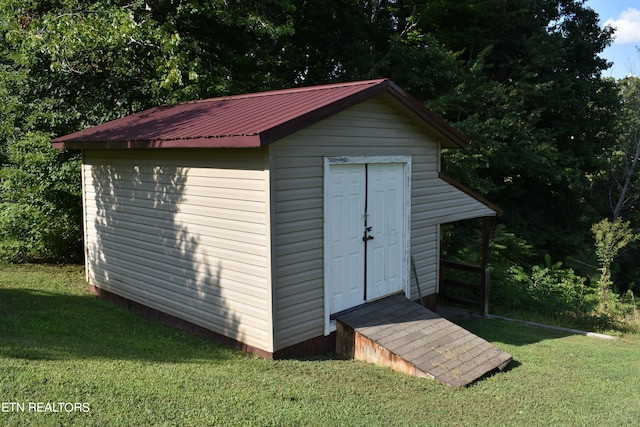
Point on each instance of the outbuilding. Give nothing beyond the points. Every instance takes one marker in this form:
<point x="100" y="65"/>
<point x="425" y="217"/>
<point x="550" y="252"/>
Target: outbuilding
<point x="258" y="217"/>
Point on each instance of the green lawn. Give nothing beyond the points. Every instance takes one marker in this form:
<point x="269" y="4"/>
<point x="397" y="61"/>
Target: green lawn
<point x="58" y="343"/>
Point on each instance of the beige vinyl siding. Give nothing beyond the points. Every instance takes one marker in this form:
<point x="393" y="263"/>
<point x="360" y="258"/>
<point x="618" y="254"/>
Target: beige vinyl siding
<point x="443" y="203"/>
<point x="425" y="249"/>
<point x="367" y="129"/>
<point x="184" y="232"/>
<point x="436" y="202"/>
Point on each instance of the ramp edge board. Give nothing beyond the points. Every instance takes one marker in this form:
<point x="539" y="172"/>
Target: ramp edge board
<point x="400" y="334"/>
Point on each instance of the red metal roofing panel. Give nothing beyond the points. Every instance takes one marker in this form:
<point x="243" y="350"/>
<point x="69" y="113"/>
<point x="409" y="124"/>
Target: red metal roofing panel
<point x="248" y="120"/>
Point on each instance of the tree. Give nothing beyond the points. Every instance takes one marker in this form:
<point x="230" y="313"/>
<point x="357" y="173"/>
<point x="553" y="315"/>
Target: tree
<point x="536" y="108"/>
<point x="618" y="186"/>
<point x="226" y="47"/>
<point x="65" y="66"/>
<point x="521" y="78"/>
<point x="40" y="210"/>
<point x="625" y="154"/>
<point x="610" y="238"/>
<point x="71" y="64"/>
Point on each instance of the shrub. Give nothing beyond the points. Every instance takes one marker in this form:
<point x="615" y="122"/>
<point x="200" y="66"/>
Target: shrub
<point x="610" y="238"/>
<point x="40" y="203"/>
<point x="548" y="289"/>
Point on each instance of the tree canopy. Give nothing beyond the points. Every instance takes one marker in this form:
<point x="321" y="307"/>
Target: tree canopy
<point x="523" y="79"/>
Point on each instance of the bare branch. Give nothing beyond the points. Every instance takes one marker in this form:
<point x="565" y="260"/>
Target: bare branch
<point x="629" y="170"/>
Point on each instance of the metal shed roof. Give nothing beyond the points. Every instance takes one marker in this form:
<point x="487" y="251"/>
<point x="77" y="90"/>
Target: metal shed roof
<point x="251" y="120"/>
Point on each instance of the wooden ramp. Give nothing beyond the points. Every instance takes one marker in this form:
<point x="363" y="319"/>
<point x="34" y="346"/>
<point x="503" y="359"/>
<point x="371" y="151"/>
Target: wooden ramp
<point x="405" y="336"/>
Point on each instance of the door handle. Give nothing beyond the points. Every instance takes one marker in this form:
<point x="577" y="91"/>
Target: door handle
<point x="367" y="236"/>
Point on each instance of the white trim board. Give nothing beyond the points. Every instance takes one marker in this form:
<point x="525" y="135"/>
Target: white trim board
<point x="406" y="251"/>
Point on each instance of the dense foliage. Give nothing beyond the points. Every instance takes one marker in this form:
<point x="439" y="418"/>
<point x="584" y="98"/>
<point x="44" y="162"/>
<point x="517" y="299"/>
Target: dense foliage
<point x="547" y="288"/>
<point x="523" y="79"/>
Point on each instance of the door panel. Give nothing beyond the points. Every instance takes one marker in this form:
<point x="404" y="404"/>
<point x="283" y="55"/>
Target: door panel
<point x="385" y="206"/>
<point x="345" y="222"/>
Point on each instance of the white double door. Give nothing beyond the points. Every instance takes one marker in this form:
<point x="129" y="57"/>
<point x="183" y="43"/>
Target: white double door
<point x="366" y="233"/>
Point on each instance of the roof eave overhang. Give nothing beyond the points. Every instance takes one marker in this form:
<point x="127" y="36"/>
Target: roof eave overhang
<point x="227" y="141"/>
<point x="469" y="192"/>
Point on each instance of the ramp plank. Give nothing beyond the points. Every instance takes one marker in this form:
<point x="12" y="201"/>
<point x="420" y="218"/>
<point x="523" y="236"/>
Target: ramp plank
<point x="405" y="336"/>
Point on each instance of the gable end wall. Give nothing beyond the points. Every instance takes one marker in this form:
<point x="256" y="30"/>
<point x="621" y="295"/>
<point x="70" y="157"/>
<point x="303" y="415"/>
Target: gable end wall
<point x="370" y="128"/>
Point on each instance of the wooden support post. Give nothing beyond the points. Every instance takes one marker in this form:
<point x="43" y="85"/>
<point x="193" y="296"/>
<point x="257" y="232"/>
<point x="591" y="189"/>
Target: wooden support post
<point x="484" y="285"/>
<point x="440" y="273"/>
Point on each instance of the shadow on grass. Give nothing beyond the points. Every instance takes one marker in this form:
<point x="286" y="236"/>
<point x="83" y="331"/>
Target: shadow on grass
<point x="500" y="331"/>
<point x="39" y="325"/>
